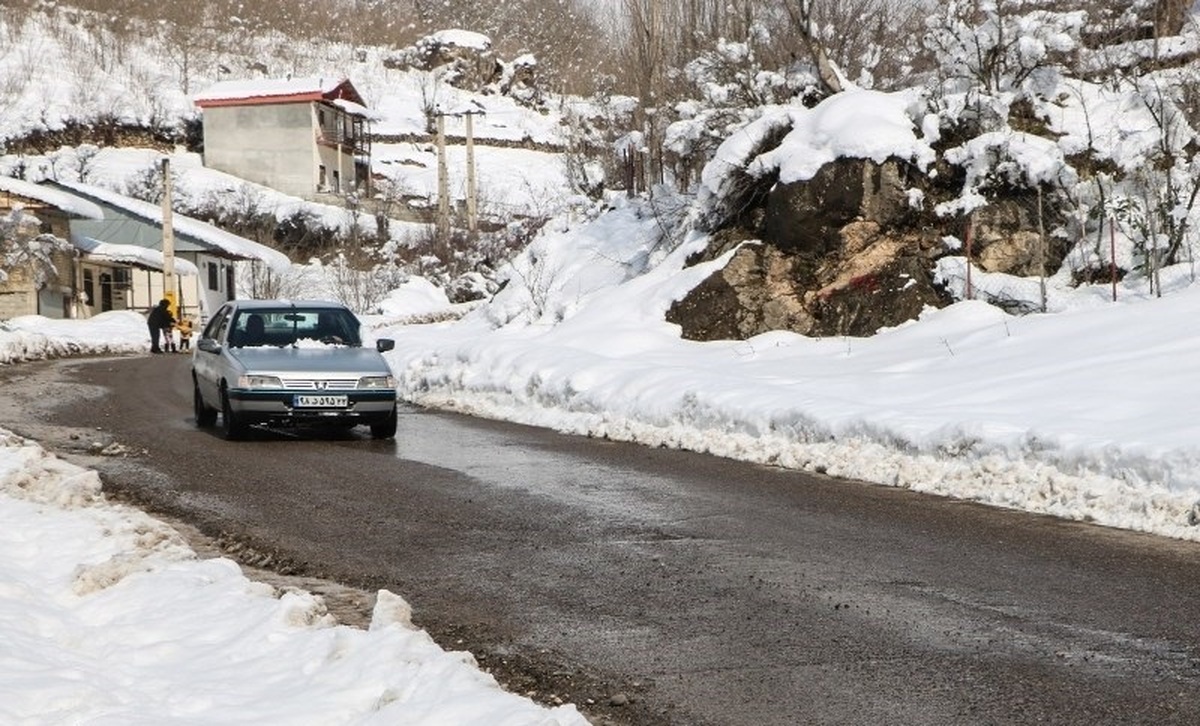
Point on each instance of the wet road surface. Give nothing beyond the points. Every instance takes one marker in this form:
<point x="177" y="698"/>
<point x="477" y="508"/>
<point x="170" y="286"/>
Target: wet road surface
<point x="662" y="587"/>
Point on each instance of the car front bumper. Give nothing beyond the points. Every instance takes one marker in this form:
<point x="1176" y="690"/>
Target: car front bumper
<point x="277" y="406"/>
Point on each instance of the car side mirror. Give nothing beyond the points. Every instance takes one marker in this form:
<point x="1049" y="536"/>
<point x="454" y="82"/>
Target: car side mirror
<point x="383" y="345"/>
<point x="208" y="345"/>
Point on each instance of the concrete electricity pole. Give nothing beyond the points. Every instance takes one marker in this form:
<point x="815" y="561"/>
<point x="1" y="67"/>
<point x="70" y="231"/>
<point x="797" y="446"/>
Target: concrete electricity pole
<point x="443" y="221"/>
<point x="443" y="218"/>
<point x="472" y="217"/>
<point x="168" y="243"/>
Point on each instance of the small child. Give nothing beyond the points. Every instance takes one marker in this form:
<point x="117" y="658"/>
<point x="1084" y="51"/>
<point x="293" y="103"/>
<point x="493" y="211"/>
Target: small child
<point x="185" y="334"/>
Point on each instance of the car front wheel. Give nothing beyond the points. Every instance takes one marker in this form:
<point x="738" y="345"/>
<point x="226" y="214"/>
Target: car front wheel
<point x="385" y="429"/>
<point x="231" y="424"/>
<point x="205" y="415"/>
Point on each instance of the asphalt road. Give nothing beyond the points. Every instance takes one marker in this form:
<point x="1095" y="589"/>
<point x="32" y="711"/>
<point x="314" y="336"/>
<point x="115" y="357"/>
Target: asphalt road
<point x="661" y="587"/>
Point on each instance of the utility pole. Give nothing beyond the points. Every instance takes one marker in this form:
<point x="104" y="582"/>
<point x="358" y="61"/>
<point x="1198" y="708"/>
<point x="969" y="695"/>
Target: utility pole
<point x="472" y="217"/>
<point x="443" y="220"/>
<point x="168" y="243"/>
<point x="443" y="217"/>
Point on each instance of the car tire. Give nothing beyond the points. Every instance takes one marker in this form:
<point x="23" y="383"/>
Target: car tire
<point x="206" y="415"/>
<point x="231" y="424"/>
<point x="385" y="429"/>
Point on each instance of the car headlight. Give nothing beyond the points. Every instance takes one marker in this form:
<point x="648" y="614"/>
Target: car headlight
<point x="377" y="382"/>
<point x="252" y="381"/>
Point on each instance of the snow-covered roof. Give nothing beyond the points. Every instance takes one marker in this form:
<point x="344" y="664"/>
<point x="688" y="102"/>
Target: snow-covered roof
<point x="215" y="238"/>
<point x="130" y="255"/>
<point x="56" y="198"/>
<point x="355" y="109"/>
<point x="279" y="90"/>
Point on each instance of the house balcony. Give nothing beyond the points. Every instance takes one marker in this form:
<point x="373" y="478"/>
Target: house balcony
<point x="353" y="141"/>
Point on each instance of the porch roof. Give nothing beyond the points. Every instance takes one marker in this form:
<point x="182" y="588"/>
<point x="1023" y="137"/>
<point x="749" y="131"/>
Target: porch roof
<point x="143" y="257"/>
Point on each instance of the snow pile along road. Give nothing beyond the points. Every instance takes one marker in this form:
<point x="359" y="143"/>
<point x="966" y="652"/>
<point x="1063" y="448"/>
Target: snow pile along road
<point x="107" y="615"/>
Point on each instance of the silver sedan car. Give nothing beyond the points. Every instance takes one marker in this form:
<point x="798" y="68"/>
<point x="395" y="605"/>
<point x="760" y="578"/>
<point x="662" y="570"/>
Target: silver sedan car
<point x="291" y="362"/>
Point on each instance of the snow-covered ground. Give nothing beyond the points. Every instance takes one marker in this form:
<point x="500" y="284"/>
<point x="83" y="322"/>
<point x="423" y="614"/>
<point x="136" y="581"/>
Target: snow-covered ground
<point x="108" y="617"/>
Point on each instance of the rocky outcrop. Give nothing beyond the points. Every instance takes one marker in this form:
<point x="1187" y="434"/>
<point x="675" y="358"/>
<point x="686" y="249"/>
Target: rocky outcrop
<point x="841" y="254"/>
<point x="467" y="60"/>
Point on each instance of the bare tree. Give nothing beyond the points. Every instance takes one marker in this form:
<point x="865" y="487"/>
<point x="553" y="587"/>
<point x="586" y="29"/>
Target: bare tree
<point x="24" y="248"/>
<point x="801" y="13"/>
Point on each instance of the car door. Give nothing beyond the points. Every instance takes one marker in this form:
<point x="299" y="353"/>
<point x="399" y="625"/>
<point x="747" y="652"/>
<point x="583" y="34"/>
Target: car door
<point x="206" y="361"/>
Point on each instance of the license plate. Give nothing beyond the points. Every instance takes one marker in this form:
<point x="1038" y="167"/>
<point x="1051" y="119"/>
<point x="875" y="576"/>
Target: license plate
<point x="322" y="401"/>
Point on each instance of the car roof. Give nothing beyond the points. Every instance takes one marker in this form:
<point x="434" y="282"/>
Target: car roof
<point x="282" y="303"/>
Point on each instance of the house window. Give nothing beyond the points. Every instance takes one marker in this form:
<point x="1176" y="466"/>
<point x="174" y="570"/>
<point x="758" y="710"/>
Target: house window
<point x="337" y="180"/>
<point x="214" y="279"/>
<point x="322" y="178"/>
<point x="321" y="117"/>
<point x="89" y="287"/>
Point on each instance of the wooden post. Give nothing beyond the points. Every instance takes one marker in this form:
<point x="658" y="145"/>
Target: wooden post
<point x="968" y="293"/>
<point x="1112" y="255"/>
<point x="1041" y="256"/>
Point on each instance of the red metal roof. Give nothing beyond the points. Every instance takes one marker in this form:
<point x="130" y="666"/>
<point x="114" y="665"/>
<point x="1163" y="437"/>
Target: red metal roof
<point x="277" y="91"/>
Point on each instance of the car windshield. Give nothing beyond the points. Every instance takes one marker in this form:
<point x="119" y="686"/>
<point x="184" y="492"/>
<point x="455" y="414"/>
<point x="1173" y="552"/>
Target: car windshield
<point x="294" y="326"/>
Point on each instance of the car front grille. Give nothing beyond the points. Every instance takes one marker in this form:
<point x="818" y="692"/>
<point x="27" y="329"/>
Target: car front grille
<point x="320" y="384"/>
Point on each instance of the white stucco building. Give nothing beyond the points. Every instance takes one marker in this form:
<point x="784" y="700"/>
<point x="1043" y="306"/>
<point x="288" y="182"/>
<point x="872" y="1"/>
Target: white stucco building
<point x="302" y="136"/>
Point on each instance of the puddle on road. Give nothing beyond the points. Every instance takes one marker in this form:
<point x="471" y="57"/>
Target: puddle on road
<point x="506" y="459"/>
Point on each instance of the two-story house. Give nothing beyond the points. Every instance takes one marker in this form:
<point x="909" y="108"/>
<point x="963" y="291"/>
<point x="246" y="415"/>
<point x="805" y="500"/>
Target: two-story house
<point x="301" y="136"/>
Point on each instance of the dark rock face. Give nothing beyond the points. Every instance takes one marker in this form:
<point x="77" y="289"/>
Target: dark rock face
<point x="898" y="291"/>
<point x="805" y="217"/>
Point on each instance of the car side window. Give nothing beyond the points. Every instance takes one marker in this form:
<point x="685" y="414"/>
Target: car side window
<point x="217" y="325"/>
<point x="347" y="327"/>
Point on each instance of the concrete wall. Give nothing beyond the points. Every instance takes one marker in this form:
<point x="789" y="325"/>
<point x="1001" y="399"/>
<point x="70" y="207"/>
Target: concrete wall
<point x="270" y="145"/>
<point x="20" y="296"/>
<point x="17" y="295"/>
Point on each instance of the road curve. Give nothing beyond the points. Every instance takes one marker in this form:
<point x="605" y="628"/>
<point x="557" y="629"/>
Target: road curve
<point x="662" y="587"/>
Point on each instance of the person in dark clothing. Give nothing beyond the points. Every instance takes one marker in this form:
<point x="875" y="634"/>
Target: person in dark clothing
<point x="160" y="318"/>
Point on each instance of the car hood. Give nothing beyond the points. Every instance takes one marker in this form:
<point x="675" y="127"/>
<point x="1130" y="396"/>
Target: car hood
<point x="308" y="360"/>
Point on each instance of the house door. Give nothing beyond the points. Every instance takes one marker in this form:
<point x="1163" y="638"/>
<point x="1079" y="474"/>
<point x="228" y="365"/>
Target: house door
<point x="89" y="288"/>
<point x="106" y="292"/>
